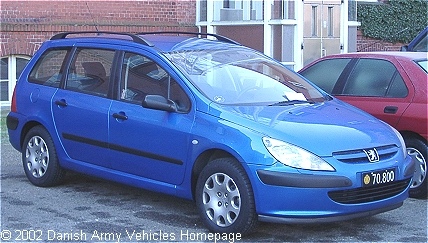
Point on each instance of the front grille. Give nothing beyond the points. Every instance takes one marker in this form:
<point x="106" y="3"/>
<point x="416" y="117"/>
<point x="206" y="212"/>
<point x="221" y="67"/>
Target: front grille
<point x="359" y="156"/>
<point x="369" y="194"/>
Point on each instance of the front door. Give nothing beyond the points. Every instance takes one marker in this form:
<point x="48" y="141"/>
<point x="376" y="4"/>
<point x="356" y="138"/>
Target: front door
<point x="146" y="142"/>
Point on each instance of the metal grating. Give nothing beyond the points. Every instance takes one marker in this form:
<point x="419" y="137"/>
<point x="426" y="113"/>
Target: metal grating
<point x="369" y="194"/>
<point x="359" y="156"/>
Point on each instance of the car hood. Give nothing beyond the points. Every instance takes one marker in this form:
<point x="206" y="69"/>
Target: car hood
<point x="321" y="128"/>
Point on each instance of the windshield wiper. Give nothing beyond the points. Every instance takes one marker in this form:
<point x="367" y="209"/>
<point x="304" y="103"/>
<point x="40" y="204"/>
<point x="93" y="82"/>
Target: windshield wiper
<point x="291" y="102"/>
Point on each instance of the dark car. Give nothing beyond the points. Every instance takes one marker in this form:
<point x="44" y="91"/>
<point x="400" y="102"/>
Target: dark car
<point x="207" y="120"/>
<point x="419" y="43"/>
<point x="389" y="85"/>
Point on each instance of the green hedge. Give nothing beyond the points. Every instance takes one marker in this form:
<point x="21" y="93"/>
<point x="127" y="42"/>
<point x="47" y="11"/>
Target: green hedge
<point x="393" y="21"/>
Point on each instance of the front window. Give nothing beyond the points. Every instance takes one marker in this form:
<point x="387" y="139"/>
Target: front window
<point x="242" y="76"/>
<point x="141" y="76"/>
<point x="326" y="73"/>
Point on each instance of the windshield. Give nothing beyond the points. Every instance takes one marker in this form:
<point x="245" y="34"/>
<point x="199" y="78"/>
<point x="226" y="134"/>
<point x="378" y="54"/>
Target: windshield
<point x="242" y="76"/>
<point x="422" y="45"/>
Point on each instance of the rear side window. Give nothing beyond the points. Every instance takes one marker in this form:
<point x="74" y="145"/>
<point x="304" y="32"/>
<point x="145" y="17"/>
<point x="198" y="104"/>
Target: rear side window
<point x="49" y="68"/>
<point x="326" y="73"/>
<point x="375" y="78"/>
<point x="90" y="71"/>
<point x="398" y="88"/>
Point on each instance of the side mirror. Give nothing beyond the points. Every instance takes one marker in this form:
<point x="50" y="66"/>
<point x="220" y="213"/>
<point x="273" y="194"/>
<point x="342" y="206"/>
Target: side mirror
<point x="159" y="102"/>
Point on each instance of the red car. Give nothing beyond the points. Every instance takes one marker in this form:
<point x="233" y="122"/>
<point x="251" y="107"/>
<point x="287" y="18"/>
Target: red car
<point x="391" y="86"/>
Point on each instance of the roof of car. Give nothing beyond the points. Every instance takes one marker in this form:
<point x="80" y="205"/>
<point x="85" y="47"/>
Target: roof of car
<point x="163" y="41"/>
<point x="380" y="54"/>
<point x="183" y="43"/>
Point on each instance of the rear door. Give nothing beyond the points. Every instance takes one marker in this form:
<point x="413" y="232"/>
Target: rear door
<point x="80" y="108"/>
<point x="378" y="87"/>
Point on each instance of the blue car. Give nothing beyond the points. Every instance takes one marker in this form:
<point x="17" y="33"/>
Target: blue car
<point x="419" y="43"/>
<point x="205" y="119"/>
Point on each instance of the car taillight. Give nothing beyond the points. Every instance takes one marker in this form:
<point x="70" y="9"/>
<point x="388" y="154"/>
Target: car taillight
<point x="13" y="104"/>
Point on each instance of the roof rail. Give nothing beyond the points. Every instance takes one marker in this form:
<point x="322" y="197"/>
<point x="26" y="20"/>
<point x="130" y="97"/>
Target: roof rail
<point x="135" y="38"/>
<point x="219" y="37"/>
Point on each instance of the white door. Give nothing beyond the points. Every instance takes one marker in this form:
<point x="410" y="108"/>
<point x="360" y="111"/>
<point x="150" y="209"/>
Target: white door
<point x="321" y="31"/>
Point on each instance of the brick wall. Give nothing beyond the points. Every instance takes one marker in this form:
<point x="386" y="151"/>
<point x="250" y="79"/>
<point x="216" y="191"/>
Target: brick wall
<point x="369" y="44"/>
<point x="26" y="24"/>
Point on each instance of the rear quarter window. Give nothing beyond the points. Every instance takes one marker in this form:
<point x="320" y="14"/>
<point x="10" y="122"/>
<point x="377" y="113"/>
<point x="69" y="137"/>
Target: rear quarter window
<point x="49" y="68"/>
<point x="398" y="88"/>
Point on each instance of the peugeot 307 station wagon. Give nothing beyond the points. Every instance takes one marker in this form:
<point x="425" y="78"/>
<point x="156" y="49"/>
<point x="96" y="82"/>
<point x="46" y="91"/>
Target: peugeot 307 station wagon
<point x="205" y="119"/>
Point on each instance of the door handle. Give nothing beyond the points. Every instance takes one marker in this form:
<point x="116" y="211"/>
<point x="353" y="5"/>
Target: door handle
<point x="121" y="116"/>
<point x="61" y="102"/>
<point x="390" y="109"/>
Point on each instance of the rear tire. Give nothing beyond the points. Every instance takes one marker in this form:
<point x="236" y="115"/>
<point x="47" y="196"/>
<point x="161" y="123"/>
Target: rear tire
<point x="417" y="149"/>
<point x="40" y="160"/>
<point x="224" y="197"/>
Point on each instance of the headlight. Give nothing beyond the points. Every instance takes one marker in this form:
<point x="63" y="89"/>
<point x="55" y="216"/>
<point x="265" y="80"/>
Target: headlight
<point x="294" y="156"/>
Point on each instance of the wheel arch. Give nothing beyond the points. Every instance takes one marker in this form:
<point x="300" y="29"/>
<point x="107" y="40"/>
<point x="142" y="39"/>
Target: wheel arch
<point x="26" y="128"/>
<point x="418" y="152"/>
<point x="410" y="134"/>
<point x="203" y="159"/>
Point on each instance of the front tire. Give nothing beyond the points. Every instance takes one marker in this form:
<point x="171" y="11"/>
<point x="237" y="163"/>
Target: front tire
<point x="224" y="197"/>
<point x="417" y="150"/>
<point x="40" y="160"/>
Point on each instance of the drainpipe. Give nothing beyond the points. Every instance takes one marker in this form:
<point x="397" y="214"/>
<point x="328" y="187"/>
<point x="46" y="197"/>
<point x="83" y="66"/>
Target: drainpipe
<point x="267" y="28"/>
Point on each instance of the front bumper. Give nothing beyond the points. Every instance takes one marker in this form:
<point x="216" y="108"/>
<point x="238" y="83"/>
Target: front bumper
<point x="301" y="180"/>
<point x="330" y="219"/>
<point x="284" y="196"/>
